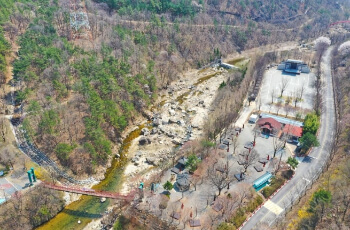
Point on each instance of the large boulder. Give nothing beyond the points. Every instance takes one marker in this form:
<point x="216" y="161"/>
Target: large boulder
<point x="177" y="142"/>
<point x="152" y="161"/>
<point x="171" y="121"/>
<point x="156" y="121"/>
<point x="170" y="134"/>
<point x="172" y="112"/>
<point x="145" y="131"/>
<point x="144" y="141"/>
<point x="154" y="131"/>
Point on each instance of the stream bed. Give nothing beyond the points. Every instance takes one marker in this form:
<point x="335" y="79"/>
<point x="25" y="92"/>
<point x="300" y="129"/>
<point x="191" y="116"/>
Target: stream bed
<point x="88" y="208"/>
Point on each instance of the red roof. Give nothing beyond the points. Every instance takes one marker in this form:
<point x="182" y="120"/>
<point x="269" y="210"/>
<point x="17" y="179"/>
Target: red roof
<point x="293" y="130"/>
<point x="270" y="122"/>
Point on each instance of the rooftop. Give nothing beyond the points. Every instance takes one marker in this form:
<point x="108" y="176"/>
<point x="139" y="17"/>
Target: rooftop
<point x="282" y="120"/>
<point x="265" y="122"/>
<point x="293" y="130"/>
<point x="261" y="180"/>
<point x="295" y="61"/>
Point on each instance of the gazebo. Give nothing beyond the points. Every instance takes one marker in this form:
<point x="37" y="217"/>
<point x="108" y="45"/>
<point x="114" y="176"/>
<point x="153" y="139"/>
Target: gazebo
<point x="183" y="182"/>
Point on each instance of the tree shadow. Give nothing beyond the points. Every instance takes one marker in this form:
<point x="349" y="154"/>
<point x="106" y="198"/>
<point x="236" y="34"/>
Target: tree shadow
<point x="82" y="214"/>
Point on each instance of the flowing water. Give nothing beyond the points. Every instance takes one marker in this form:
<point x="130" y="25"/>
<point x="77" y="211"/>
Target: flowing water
<point x="88" y="208"/>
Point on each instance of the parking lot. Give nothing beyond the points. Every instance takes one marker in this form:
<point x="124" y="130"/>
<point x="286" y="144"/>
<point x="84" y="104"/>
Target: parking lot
<point x="10" y="184"/>
<point x="264" y="147"/>
<point x="271" y="84"/>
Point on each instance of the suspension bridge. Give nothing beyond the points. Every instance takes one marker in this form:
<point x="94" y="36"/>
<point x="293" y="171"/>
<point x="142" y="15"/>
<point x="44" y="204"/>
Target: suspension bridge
<point x="90" y="192"/>
<point x="339" y="22"/>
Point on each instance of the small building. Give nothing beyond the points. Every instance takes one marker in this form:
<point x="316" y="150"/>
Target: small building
<point x="269" y="126"/>
<point x="294" y="66"/>
<point x="292" y="132"/>
<point x="253" y="118"/>
<point x="262" y="181"/>
<point x="183" y="181"/>
<point x="282" y="120"/>
<point x="182" y="161"/>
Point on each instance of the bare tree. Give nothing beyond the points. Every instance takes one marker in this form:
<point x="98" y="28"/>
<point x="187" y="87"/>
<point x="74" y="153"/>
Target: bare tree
<point x="243" y="193"/>
<point x="300" y="93"/>
<point x="229" y="204"/>
<point x="295" y="97"/>
<point x="195" y="179"/>
<point x="260" y="103"/>
<point x="278" y="106"/>
<point x="211" y="220"/>
<point x="272" y="95"/>
<point x="277" y="145"/>
<point x="288" y="109"/>
<point x="235" y="144"/>
<point x="185" y="216"/>
<point x="248" y="158"/>
<point x="256" y="131"/>
<point x="220" y="176"/>
<point x="283" y="85"/>
<point x="7" y="157"/>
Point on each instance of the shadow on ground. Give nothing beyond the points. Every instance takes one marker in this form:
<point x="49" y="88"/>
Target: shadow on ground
<point x="82" y="214"/>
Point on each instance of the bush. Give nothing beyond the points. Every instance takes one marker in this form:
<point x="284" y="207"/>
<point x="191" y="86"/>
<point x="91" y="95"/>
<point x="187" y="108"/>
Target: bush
<point x="292" y="162"/>
<point x="308" y="140"/>
<point x="253" y="204"/>
<point x="239" y="217"/>
<point x="63" y="150"/>
<point x="226" y="226"/>
<point x="168" y="186"/>
<point x="192" y="162"/>
<point x="288" y="174"/>
<point x="276" y="182"/>
<point x="311" y="123"/>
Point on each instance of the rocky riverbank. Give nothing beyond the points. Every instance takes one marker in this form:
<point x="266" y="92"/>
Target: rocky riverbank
<point x="178" y="117"/>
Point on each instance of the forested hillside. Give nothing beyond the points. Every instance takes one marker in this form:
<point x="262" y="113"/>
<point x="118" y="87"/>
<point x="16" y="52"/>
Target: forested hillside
<point x="80" y="95"/>
<point x="5" y="10"/>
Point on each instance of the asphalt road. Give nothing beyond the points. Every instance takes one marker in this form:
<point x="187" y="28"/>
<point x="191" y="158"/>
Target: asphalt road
<point x="310" y="168"/>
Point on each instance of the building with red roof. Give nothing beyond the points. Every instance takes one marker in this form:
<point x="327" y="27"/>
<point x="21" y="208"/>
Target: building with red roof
<point x="269" y="125"/>
<point x="292" y="130"/>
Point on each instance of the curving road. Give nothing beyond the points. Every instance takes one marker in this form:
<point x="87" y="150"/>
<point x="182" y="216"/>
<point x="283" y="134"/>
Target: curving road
<point x="309" y="168"/>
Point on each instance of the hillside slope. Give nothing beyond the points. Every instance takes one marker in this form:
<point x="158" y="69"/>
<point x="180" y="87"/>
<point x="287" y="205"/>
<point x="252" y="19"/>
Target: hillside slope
<point x="81" y="95"/>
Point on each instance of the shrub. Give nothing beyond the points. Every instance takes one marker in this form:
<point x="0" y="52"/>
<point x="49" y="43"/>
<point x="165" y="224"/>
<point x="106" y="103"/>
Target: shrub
<point x="308" y="140"/>
<point x="311" y="123"/>
<point x="192" y="162"/>
<point x="276" y="182"/>
<point x="63" y="150"/>
<point x="288" y="174"/>
<point x="226" y="226"/>
<point x="292" y="162"/>
<point x="168" y="186"/>
<point x="239" y="217"/>
<point x="222" y="85"/>
<point x="253" y="204"/>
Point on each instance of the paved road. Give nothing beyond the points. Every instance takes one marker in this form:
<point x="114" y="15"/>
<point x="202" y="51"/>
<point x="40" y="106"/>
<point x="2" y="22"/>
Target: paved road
<point x="309" y="169"/>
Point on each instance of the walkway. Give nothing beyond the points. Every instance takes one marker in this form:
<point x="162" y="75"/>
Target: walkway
<point x="309" y="171"/>
<point x="245" y="113"/>
<point x="90" y="192"/>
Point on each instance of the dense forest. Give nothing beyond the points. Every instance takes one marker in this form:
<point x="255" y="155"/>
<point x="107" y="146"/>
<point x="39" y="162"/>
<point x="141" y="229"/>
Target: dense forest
<point x="81" y="95"/>
<point x="5" y="11"/>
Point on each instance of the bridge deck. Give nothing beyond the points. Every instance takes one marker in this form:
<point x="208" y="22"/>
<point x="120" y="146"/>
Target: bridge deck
<point x="89" y="192"/>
